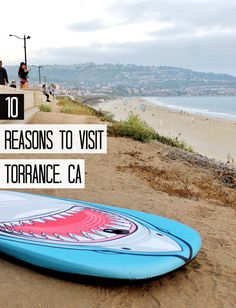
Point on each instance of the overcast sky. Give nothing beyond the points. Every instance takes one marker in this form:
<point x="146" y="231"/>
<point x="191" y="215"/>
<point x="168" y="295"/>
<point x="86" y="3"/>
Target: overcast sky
<point x="196" y="34"/>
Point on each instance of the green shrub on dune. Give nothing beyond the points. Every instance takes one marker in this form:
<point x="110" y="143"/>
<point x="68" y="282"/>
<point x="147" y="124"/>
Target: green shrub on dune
<point x="67" y="105"/>
<point x="45" y="108"/>
<point x="133" y="127"/>
<point x="139" y="130"/>
<point x="107" y="117"/>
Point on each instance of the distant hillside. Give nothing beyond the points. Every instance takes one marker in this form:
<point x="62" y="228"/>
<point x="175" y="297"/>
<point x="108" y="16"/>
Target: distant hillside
<point x="134" y="80"/>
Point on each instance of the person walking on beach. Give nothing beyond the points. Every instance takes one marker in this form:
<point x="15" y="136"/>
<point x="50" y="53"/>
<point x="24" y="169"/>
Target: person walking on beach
<point x="3" y="75"/>
<point x="23" y="75"/>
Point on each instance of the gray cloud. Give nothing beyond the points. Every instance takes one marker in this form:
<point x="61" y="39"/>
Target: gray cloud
<point x="212" y="54"/>
<point x="194" y="12"/>
<point x="90" y="26"/>
<point x="178" y="45"/>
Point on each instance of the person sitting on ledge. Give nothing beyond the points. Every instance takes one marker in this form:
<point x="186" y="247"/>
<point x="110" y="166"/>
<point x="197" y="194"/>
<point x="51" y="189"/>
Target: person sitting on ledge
<point x="3" y="75"/>
<point x="45" y="92"/>
<point x="13" y="84"/>
<point x="23" y="75"/>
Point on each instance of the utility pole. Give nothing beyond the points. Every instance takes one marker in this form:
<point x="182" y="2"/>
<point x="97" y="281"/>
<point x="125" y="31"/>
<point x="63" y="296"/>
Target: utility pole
<point x="25" y="38"/>
<point x="39" y="68"/>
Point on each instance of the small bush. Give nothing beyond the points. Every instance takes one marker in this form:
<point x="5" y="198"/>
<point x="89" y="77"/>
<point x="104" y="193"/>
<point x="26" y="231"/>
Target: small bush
<point x="45" y="108"/>
<point x="107" y="117"/>
<point x="133" y="127"/>
<point x="174" y="142"/>
<point x="62" y="101"/>
<point x="139" y="130"/>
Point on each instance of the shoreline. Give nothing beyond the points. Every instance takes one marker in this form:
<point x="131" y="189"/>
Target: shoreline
<point x="209" y="136"/>
<point x="192" y="111"/>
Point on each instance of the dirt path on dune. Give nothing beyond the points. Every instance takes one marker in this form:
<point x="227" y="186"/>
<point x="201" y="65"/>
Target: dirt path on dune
<point x="208" y="281"/>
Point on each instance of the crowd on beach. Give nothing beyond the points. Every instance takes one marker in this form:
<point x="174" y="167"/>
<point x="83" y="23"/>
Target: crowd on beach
<point x="23" y="74"/>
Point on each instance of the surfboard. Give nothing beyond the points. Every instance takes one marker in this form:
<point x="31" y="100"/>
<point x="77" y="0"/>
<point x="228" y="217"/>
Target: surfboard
<point x="92" y="239"/>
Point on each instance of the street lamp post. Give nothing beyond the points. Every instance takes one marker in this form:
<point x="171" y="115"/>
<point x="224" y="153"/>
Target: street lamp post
<point x="39" y="67"/>
<point x="25" y="38"/>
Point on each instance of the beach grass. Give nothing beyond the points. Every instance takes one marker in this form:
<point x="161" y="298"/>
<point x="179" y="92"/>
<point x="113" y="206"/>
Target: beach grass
<point x="107" y="117"/>
<point x="45" y="108"/>
<point x="67" y="105"/>
<point x="73" y="107"/>
<point x="133" y="127"/>
<point x="139" y="130"/>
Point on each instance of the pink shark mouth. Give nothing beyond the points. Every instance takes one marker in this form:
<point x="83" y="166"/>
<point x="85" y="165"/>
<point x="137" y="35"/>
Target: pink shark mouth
<point x="74" y="225"/>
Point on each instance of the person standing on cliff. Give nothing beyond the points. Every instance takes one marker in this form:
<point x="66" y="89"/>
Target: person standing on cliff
<point x="3" y="75"/>
<point x="23" y="75"/>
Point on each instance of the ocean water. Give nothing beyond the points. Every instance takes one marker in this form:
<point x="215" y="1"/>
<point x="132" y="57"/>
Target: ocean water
<point x="217" y="106"/>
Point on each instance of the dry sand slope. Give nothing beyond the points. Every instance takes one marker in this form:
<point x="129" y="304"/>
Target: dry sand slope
<point x="139" y="176"/>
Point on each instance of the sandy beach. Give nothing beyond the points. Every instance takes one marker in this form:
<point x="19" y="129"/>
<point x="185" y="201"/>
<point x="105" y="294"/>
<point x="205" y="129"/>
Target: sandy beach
<point x="140" y="176"/>
<point x="215" y="138"/>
